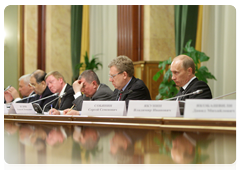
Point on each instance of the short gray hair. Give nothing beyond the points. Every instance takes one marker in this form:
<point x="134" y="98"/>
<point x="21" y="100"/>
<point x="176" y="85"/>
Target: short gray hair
<point x="123" y="63"/>
<point x="186" y="62"/>
<point x="25" y="78"/>
<point x="89" y="76"/>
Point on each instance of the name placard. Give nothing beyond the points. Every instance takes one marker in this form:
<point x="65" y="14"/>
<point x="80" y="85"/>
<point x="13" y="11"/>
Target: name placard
<point x="21" y="108"/>
<point x="151" y="108"/>
<point x="202" y="108"/>
<point x="104" y="108"/>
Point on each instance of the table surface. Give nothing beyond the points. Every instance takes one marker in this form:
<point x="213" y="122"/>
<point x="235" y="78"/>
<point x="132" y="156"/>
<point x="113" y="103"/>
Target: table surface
<point x="47" y="139"/>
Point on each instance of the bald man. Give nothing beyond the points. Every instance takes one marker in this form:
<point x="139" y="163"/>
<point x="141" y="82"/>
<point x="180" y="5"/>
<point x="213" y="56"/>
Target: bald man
<point x="41" y="89"/>
<point x="183" y="74"/>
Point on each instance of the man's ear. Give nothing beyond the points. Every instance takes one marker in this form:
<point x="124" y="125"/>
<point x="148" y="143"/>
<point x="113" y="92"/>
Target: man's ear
<point x="43" y="83"/>
<point x="95" y="85"/>
<point x="189" y="70"/>
<point x="125" y="74"/>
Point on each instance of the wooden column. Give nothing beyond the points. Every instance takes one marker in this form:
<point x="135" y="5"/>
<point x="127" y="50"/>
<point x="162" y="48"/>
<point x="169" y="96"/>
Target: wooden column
<point x="130" y="31"/>
<point x="41" y="54"/>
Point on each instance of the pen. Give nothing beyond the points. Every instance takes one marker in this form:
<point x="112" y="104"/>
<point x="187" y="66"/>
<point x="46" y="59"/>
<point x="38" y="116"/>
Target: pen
<point x="51" y="110"/>
<point x="70" y="109"/>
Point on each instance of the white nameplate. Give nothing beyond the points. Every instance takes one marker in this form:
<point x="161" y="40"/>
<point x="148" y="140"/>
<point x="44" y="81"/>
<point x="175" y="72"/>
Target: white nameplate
<point x="21" y="108"/>
<point x="153" y="108"/>
<point x="104" y="108"/>
<point x="202" y="108"/>
<point x="6" y="108"/>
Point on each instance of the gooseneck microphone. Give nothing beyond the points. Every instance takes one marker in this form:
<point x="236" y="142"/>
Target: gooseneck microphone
<point x="184" y="95"/>
<point x="224" y="95"/>
<point x="33" y="95"/>
<point x="55" y="94"/>
<point x="53" y="101"/>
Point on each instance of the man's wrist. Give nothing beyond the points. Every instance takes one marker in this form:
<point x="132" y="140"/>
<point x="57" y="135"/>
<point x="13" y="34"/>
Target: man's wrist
<point x="76" y="95"/>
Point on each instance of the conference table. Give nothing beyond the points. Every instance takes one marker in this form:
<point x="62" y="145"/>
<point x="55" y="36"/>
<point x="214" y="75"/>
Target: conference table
<point x="61" y="139"/>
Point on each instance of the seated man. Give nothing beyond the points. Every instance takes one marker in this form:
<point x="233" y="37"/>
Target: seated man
<point x="183" y="74"/>
<point x="127" y="87"/>
<point x="41" y="89"/>
<point x="89" y="84"/>
<point x="57" y="84"/>
<point x="12" y="95"/>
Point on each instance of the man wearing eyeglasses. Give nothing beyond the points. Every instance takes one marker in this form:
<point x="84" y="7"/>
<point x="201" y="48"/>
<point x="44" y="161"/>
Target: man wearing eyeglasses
<point x="41" y="89"/>
<point x="88" y="84"/>
<point x="127" y="87"/>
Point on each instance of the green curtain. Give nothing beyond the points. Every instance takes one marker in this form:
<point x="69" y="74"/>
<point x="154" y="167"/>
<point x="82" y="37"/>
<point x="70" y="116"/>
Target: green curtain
<point x="185" y="25"/>
<point x="76" y="34"/>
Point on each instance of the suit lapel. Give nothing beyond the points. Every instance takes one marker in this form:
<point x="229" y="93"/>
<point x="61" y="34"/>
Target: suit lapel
<point x="190" y="85"/>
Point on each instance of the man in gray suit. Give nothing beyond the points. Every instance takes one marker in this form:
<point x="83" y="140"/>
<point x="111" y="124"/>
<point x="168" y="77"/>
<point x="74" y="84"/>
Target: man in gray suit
<point x="89" y="84"/>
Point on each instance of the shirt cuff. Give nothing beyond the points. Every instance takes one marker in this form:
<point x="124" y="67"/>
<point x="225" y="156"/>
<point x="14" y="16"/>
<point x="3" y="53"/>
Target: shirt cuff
<point x="77" y="94"/>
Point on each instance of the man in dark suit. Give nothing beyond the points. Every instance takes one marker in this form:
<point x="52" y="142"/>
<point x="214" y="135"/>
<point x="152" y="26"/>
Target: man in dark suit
<point x="183" y="74"/>
<point x="89" y="84"/>
<point x="127" y="87"/>
<point x="41" y="89"/>
<point x="57" y="84"/>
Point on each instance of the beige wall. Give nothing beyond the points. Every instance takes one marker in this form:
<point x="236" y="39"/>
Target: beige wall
<point x="58" y="40"/>
<point x="11" y="46"/>
<point x="30" y="38"/>
<point x="159" y="35"/>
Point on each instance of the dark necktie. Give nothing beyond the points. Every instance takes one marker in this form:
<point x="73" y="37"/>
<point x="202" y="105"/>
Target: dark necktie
<point x="120" y="95"/>
<point x="59" y="102"/>
<point x="182" y="93"/>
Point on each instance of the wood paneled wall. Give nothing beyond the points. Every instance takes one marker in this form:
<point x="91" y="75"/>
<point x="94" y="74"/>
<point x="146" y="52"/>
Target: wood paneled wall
<point x="130" y="31"/>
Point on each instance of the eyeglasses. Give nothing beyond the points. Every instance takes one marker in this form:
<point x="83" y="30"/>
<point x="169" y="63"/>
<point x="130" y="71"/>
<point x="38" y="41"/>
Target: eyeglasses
<point x="32" y="85"/>
<point x="112" y="76"/>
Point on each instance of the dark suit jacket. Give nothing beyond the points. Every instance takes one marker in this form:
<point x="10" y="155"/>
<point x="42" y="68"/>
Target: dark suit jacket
<point x="42" y="103"/>
<point x="103" y="93"/>
<point x="196" y="85"/>
<point x="66" y="101"/>
<point x="136" y="90"/>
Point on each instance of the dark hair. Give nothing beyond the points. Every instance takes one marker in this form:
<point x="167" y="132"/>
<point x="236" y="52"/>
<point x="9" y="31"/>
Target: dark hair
<point x="89" y="76"/>
<point x="39" y="75"/>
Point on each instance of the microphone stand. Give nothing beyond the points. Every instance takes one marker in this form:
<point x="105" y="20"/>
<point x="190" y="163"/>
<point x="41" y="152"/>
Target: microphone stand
<point x="224" y="95"/>
<point x="27" y="97"/>
<point x="52" y="101"/>
<point x="55" y="94"/>
<point x="195" y="92"/>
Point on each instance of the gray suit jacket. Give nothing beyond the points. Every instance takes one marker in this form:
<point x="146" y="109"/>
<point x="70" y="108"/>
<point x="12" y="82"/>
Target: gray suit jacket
<point x="103" y="93"/>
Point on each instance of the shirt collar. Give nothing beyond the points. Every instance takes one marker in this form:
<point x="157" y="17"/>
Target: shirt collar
<point x="126" y="85"/>
<point x="185" y="86"/>
<point x="63" y="89"/>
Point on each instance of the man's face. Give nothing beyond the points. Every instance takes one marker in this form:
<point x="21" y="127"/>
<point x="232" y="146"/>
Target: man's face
<point x="37" y="87"/>
<point x="88" y="89"/>
<point x="24" y="89"/>
<point x="117" y="78"/>
<point x="54" y="137"/>
<point x="54" y="85"/>
<point x="179" y="75"/>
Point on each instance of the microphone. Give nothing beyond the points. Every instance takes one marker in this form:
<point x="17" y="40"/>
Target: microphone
<point x="55" y="94"/>
<point x="53" y="101"/>
<point x="184" y="95"/>
<point x="224" y="95"/>
<point x="33" y="95"/>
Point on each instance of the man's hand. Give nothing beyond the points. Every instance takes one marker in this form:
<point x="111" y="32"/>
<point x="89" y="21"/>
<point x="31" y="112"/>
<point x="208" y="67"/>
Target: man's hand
<point x="54" y="112"/>
<point x="72" y="112"/>
<point x="77" y="86"/>
<point x="13" y="92"/>
<point x="8" y="97"/>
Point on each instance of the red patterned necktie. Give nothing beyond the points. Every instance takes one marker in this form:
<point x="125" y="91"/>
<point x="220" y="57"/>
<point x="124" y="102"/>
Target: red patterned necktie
<point x="120" y="95"/>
